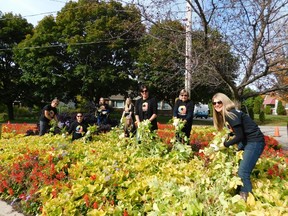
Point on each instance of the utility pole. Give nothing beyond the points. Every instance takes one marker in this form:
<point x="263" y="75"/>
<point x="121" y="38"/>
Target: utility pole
<point x="188" y="56"/>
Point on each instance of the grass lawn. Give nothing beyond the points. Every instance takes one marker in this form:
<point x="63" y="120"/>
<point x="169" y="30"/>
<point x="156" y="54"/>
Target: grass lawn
<point x="272" y="120"/>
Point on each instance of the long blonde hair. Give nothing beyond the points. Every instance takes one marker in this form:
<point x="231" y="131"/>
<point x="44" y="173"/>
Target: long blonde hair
<point x="219" y="118"/>
<point x="128" y="104"/>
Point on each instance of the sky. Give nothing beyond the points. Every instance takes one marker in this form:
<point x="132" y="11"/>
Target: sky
<point x="32" y="10"/>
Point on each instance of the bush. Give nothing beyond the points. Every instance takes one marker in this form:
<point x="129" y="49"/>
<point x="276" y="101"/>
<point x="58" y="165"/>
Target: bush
<point x="268" y="110"/>
<point x="257" y="105"/>
<point x="3" y="117"/>
<point x="21" y="112"/>
<point x="262" y="116"/>
<point x="280" y="109"/>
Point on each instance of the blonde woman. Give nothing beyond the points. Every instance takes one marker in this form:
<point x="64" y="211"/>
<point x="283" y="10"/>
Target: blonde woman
<point x="128" y="117"/>
<point x="245" y="133"/>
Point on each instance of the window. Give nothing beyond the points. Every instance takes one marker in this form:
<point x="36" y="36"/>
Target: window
<point x="118" y="104"/>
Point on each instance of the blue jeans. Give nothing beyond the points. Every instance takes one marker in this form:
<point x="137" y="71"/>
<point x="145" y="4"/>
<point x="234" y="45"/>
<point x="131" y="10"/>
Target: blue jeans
<point x="252" y="152"/>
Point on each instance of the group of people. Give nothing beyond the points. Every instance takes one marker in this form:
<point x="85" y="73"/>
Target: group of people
<point x="243" y="130"/>
<point x="78" y="127"/>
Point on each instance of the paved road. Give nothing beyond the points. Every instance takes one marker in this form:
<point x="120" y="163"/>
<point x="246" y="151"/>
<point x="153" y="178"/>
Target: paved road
<point x="272" y="131"/>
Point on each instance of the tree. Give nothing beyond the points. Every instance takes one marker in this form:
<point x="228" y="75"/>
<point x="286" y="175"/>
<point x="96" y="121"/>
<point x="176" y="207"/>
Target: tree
<point x="89" y="50"/>
<point x="258" y="104"/>
<point x="161" y="62"/>
<point x="13" y="29"/>
<point x="252" y="30"/>
<point x="254" y="34"/>
<point x="280" y="109"/>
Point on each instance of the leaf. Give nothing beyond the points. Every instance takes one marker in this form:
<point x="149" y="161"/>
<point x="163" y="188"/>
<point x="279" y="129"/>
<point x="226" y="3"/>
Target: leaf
<point x="251" y="200"/>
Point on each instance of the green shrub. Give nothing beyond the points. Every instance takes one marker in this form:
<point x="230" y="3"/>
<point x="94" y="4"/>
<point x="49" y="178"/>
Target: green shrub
<point x="280" y="109"/>
<point x="23" y="112"/>
<point x="262" y="116"/>
<point x="268" y="110"/>
<point x="257" y="105"/>
<point x="3" y="117"/>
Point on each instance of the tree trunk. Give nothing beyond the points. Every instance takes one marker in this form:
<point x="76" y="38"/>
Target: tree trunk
<point x="10" y="110"/>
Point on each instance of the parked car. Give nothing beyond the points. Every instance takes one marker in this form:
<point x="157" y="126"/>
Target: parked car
<point x="201" y="111"/>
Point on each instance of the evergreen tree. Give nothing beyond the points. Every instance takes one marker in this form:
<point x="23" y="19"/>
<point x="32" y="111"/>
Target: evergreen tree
<point x="280" y="109"/>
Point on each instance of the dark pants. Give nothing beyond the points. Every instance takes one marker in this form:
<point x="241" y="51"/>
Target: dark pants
<point x="187" y="130"/>
<point x="44" y="127"/>
<point x="102" y="119"/>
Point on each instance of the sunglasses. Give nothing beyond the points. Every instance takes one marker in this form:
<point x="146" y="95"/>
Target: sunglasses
<point x="217" y="102"/>
<point x="144" y="91"/>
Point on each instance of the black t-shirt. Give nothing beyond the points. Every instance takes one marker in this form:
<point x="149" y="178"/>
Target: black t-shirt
<point x="243" y="123"/>
<point x="52" y="111"/>
<point x="145" y="109"/>
<point x="184" y="110"/>
<point x="78" y="129"/>
<point x="130" y="110"/>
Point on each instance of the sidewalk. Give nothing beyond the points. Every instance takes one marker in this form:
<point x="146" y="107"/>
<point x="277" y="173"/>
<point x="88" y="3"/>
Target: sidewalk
<point x="7" y="210"/>
<point x="272" y="131"/>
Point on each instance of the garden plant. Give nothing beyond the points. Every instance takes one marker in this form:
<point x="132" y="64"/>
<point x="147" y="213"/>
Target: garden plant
<point x="109" y="175"/>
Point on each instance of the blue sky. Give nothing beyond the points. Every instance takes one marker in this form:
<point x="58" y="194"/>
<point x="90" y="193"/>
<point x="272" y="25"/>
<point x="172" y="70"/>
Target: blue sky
<point x="32" y="10"/>
<point x="35" y="10"/>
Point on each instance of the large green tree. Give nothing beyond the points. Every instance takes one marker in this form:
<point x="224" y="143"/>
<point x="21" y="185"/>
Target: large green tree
<point x="13" y="29"/>
<point x="89" y="50"/>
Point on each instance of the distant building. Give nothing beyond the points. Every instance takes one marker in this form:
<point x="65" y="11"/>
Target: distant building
<point x="272" y="100"/>
<point x="118" y="102"/>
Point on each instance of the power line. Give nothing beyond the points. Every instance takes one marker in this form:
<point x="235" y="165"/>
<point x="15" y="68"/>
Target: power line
<point x="65" y="44"/>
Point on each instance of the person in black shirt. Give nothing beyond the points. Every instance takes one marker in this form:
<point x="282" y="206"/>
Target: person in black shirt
<point x="245" y="133"/>
<point x="78" y="128"/>
<point x="146" y="108"/>
<point x="102" y="112"/>
<point x="183" y="109"/>
<point x="48" y="113"/>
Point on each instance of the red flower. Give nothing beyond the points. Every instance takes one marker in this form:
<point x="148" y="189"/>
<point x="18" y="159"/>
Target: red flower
<point x="86" y="199"/>
<point x="5" y="184"/>
<point x="22" y="196"/>
<point x="10" y="191"/>
<point x="125" y="213"/>
<point x="54" y="193"/>
<point x="93" y="177"/>
<point x="95" y="205"/>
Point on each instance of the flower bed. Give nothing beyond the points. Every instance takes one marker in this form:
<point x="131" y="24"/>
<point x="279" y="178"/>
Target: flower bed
<point x="112" y="176"/>
<point x="18" y="128"/>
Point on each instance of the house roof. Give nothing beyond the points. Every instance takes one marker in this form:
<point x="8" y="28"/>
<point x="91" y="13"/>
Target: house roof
<point x="269" y="101"/>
